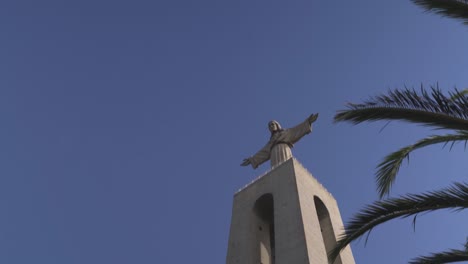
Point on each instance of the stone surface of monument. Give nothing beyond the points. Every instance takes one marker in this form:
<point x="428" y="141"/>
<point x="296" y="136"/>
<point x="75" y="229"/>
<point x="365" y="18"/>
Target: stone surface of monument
<point x="284" y="216"/>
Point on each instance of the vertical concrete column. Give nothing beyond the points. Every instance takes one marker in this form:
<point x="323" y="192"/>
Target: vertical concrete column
<point x="293" y="231"/>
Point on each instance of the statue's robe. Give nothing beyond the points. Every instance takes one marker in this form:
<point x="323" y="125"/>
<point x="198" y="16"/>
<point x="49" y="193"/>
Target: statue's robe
<point x="278" y="149"/>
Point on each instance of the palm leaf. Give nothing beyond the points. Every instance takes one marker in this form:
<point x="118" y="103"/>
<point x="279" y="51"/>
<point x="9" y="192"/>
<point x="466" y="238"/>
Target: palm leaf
<point x="457" y="9"/>
<point x="389" y="167"/>
<point x="431" y="109"/>
<point x="460" y="94"/>
<point x="442" y="257"/>
<point x="454" y="197"/>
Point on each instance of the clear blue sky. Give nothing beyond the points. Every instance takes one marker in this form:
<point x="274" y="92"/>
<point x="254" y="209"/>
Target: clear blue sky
<point x="123" y="123"/>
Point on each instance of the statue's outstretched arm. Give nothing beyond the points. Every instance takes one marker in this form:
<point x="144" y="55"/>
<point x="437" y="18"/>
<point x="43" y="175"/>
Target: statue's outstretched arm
<point x="246" y="162"/>
<point x="294" y="134"/>
<point x="312" y="118"/>
<point x="260" y="157"/>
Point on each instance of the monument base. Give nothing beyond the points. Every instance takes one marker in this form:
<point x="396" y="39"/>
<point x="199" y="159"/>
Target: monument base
<point x="285" y="217"/>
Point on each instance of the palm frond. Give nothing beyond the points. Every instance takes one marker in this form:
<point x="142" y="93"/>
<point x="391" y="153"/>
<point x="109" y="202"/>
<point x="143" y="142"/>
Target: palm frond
<point x="457" y="9"/>
<point x="428" y="108"/>
<point x="460" y="94"/>
<point x="454" y="197"/>
<point x="450" y="256"/>
<point x="389" y="167"/>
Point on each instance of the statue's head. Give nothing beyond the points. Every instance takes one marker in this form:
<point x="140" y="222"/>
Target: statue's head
<point x="274" y="126"/>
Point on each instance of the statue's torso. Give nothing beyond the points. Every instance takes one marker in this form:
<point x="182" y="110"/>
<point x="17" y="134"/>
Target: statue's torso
<point x="280" y="153"/>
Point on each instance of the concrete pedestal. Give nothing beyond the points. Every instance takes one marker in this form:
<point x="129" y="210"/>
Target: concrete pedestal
<point x="285" y="217"/>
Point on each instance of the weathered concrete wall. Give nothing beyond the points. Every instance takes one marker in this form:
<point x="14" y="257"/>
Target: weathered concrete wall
<point x="298" y="238"/>
<point x="308" y="188"/>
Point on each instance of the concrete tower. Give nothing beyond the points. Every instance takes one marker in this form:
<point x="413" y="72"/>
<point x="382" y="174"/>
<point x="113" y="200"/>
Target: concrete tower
<point x="285" y="217"/>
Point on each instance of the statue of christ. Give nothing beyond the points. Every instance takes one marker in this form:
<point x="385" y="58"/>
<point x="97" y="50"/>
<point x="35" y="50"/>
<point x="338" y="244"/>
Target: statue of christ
<point x="278" y="149"/>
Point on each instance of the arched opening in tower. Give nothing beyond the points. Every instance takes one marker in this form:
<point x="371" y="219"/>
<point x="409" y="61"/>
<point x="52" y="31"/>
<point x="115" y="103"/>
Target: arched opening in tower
<point x="265" y="229"/>
<point x="326" y="228"/>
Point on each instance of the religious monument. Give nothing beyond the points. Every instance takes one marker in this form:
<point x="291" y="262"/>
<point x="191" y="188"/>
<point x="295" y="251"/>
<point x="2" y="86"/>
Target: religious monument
<point x="284" y="216"/>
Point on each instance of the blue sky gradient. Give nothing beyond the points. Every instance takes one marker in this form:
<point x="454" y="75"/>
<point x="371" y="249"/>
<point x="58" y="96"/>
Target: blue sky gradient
<point x="124" y="122"/>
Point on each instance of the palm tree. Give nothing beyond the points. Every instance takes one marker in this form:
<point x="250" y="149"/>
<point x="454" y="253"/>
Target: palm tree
<point x="457" y="9"/>
<point x="430" y="108"/>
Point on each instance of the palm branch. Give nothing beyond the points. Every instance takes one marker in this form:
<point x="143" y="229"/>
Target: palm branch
<point x="450" y="256"/>
<point x="389" y="167"/>
<point x="454" y="197"/>
<point x="427" y="108"/>
<point x="457" y="9"/>
<point x="461" y="93"/>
